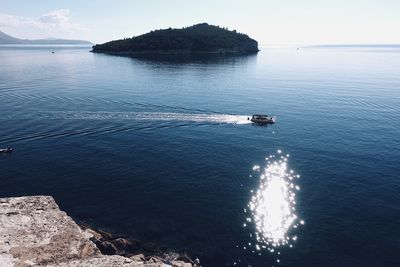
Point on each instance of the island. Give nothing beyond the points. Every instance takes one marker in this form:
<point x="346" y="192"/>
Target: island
<point x="197" y="39"/>
<point x="6" y="39"/>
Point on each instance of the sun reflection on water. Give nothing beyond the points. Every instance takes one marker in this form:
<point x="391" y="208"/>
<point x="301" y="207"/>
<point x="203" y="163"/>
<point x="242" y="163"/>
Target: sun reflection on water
<point x="272" y="206"/>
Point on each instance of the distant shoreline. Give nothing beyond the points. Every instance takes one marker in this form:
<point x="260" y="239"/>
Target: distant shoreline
<point x="354" y="45"/>
<point x="46" y="45"/>
<point x="6" y="39"/>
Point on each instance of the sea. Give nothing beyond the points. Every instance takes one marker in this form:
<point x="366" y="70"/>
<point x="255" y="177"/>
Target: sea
<point x="162" y="151"/>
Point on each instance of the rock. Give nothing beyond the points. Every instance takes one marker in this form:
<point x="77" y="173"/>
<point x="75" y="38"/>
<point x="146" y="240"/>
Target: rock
<point x="138" y="258"/>
<point x="105" y="235"/>
<point x="92" y="234"/>
<point x="110" y="245"/>
<point x="101" y="261"/>
<point x="127" y="260"/>
<point x="154" y="260"/>
<point x="32" y="237"/>
<point x="35" y="232"/>
<point x="123" y="245"/>
<point x="178" y="263"/>
<point x="107" y="248"/>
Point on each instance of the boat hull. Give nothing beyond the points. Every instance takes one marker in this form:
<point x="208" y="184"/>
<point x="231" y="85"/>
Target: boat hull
<point x="262" y="121"/>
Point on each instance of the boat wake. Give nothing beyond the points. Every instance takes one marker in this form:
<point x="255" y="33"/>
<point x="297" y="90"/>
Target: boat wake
<point x="94" y="123"/>
<point x="142" y="116"/>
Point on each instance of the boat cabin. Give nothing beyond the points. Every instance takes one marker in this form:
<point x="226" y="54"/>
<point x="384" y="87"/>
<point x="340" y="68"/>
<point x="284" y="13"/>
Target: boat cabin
<point x="262" y="119"/>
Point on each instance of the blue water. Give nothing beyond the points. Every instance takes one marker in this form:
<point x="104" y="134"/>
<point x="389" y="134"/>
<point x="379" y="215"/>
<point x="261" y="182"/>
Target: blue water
<point x="161" y="151"/>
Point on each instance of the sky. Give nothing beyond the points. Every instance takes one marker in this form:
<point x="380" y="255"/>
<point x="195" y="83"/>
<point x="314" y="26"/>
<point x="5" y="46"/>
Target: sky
<point x="270" y="22"/>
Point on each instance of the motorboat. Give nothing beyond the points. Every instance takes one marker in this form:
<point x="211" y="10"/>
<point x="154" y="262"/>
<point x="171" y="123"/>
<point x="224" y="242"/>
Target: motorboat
<point x="262" y="119"/>
<point x="6" y="150"/>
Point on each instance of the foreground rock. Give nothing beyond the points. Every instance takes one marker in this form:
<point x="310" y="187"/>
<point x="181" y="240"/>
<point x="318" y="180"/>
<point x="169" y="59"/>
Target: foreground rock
<point x="110" y="244"/>
<point x="35" y="232"/>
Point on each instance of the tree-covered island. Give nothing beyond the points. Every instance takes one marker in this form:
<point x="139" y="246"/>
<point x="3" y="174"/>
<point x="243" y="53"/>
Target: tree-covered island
<point x="197" y="39"/>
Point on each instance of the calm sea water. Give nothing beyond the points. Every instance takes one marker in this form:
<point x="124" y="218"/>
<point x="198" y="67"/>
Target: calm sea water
<point x="161" y="151"/>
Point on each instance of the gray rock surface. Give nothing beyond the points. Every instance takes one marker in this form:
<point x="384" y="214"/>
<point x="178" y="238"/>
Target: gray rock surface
<point x="35" y="232"/>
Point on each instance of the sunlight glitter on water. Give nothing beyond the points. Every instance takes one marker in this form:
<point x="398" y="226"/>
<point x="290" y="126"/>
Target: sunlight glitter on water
<point x="272" y="205"/>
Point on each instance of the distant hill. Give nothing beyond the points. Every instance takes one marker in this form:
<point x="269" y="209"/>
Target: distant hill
<point x="197" y="39"/>
<point x="7" y="39"/>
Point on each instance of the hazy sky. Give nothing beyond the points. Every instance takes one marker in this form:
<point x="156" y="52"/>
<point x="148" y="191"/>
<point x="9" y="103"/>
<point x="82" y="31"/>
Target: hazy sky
<point x="271" y="22"/>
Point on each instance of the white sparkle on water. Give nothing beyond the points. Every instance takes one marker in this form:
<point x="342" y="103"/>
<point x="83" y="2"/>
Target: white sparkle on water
<point x="272" y="205"/>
